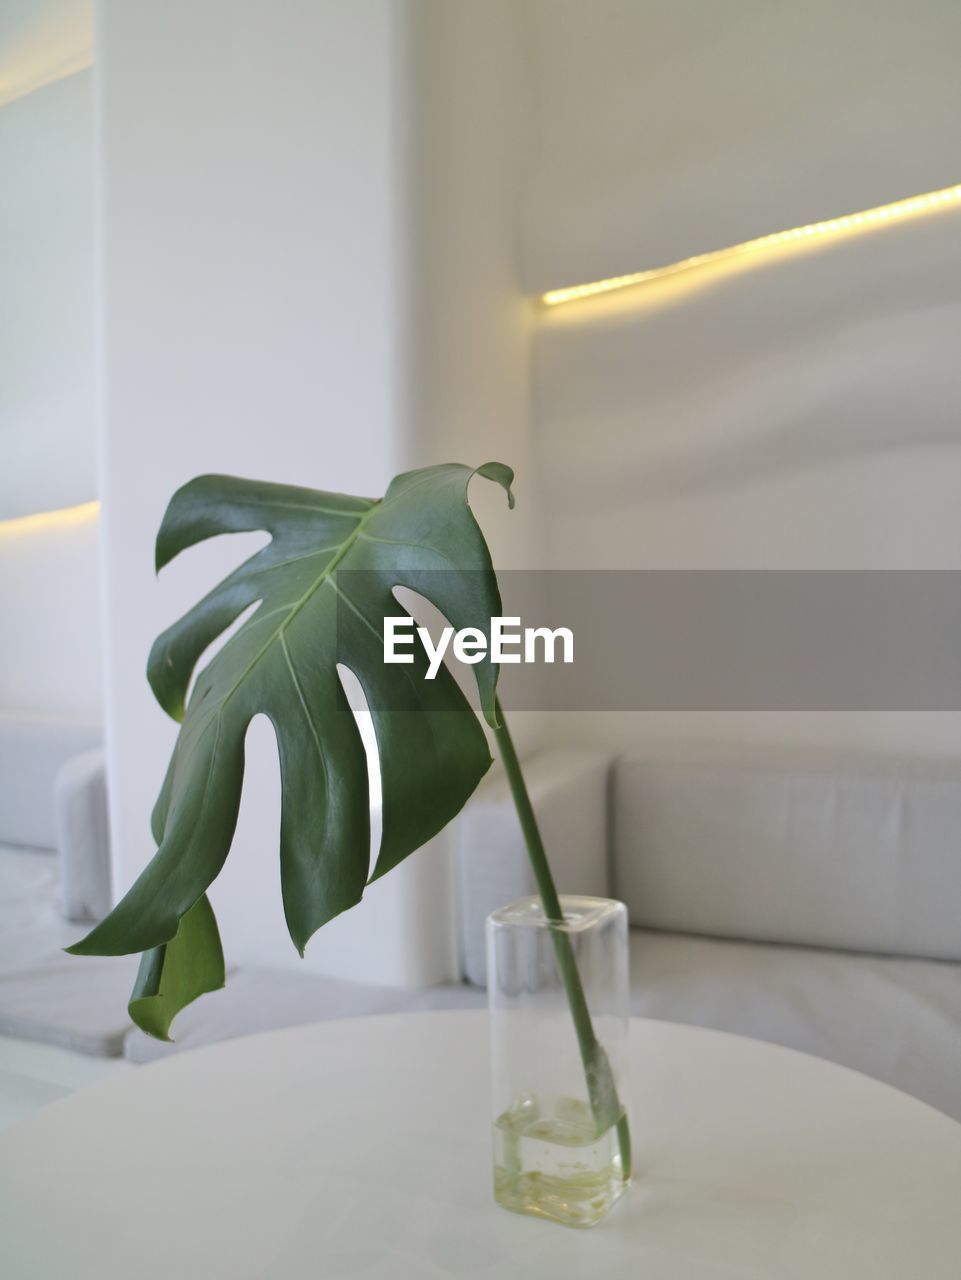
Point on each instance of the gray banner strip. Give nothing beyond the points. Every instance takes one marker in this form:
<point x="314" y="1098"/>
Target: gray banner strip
<point x="740" y="640"/>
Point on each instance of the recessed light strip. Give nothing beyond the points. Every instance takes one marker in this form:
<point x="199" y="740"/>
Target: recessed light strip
<point x="13" y="89"/>
<point x="62" y="518"/>
<point x="885" y="213"/>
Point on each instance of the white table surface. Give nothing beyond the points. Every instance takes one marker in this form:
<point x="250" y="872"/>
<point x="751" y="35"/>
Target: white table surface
<point x="362" y="1149"/>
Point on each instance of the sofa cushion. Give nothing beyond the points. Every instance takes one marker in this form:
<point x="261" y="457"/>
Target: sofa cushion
<point x="865" y="860"/>
<point x="78" y="1003"/>
<point x="897" y="1020"/>
<point x="267" y="999"/>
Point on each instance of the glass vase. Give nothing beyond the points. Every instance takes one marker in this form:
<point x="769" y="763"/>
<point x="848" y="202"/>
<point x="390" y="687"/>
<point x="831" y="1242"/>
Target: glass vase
<point x="561" y="1149"/>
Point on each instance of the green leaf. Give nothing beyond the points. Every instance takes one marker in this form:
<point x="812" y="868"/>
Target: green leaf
<point x="322" y="587"/>
<point x="173" y="975"/>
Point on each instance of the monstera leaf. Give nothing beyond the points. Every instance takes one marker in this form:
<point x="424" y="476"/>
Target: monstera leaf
<point x="322" y="587"/>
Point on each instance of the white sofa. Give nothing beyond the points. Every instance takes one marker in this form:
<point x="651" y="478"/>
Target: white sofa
<point x="54" y="869"/>
<point x="807" y="902"/>
<point x="810" y="902"/>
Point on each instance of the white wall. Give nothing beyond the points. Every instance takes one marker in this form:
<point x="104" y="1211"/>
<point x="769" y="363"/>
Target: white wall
<point x="466" y="326"/>
<point x="800" y="414"/>
<point x="466" y="353"/>
<point x="274" y="306"/>
<point x="466" y="341"/>
<point x="47" y="434"/>
<point x="314" y="220"/>
<point x="49" y="642"/>
<point x="669" y="127"/>
<point x="793" y="412"/>
<point x="248" y="229"/>
<point x="42" y="41"/>
<point x="50" y="638"/>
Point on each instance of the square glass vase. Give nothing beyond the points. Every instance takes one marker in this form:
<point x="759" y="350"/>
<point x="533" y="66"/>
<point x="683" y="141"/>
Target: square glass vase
<point x="560" y="1123"/>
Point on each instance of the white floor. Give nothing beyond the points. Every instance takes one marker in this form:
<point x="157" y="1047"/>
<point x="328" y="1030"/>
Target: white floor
<point x="31" y="1075"/>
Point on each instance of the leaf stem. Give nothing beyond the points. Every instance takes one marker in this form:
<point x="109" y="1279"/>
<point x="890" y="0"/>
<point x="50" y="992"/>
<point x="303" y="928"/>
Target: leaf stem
<point x="601" y="1089"/>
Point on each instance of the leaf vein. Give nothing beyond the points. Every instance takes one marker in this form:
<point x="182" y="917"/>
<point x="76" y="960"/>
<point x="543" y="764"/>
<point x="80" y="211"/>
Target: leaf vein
<point x="295" y="679"/>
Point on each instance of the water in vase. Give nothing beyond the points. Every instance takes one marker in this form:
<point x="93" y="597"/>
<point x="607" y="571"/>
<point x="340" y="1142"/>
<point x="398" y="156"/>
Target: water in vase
<point x="550" y="1161"/>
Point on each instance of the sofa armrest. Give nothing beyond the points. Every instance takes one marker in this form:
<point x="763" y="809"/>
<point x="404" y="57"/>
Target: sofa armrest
<point x="83" y="839"/>
<point x="568" y="790"/>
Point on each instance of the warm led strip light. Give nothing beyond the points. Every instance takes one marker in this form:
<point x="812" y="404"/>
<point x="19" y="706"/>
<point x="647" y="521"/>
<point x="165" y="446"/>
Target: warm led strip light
<point x="13" y="89"/>
<point x="61" y="519"/>
<point x="884" y="213"/>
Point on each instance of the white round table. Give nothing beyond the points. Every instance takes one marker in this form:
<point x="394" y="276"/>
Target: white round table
<point x="362" y="1149"/>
